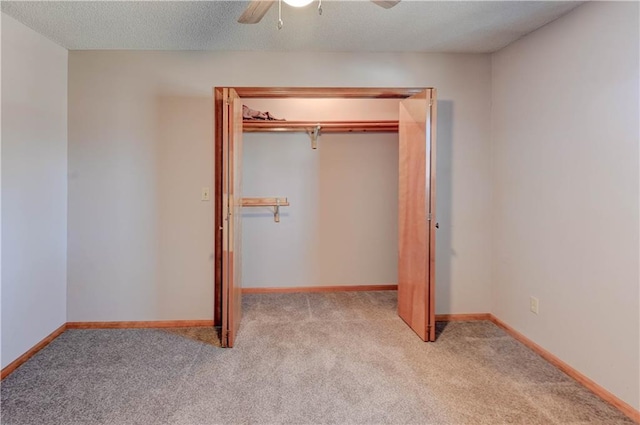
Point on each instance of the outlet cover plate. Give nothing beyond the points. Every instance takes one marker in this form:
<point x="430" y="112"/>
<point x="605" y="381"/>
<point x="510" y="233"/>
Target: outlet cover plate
<point x="533" y="304"/>
<point x="205" y="194"/>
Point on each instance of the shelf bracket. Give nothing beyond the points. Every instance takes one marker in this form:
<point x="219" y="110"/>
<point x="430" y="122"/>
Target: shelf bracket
<point x="267" y="202"/>
<point x="315" y="134"/>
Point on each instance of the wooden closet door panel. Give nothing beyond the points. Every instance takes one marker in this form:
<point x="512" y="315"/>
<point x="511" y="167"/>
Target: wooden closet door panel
<point x="232" y="224"/>
<point x="416" y="210"/>
<point x="433" y="223"/>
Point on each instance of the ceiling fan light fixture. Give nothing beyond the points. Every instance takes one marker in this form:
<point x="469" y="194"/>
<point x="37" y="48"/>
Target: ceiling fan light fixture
<point x="298" y="3"/>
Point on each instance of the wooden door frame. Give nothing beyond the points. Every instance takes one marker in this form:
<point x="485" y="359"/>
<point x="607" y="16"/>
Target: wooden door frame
<point x="305" y="93"/>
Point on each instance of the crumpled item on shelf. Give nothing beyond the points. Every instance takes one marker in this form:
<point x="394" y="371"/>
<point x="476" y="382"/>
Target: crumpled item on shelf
<point x="252" y="114"/>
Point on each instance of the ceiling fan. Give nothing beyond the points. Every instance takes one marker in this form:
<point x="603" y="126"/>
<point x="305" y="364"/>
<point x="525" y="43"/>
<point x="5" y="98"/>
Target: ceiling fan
<point x="258" y="8"/>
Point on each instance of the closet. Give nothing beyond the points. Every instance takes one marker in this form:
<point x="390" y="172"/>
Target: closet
<point x="415" y="128"/>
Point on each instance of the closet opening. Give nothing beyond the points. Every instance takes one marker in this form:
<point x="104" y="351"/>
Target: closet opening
<point x="324" y="189"/>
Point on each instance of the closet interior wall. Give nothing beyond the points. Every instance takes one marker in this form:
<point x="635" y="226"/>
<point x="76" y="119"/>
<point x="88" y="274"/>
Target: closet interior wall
<point x="341" y="228"/>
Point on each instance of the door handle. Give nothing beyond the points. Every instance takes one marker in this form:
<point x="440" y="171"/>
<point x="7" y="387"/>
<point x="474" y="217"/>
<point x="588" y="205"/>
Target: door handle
<point x="437" y="225"/>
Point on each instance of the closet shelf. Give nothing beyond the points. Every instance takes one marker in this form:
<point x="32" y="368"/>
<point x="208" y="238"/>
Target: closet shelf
<point x="325" y="126"/>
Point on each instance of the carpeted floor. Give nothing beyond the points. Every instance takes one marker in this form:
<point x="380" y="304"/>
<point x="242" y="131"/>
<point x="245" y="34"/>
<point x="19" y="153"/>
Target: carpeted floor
<point x="342" y="358"/>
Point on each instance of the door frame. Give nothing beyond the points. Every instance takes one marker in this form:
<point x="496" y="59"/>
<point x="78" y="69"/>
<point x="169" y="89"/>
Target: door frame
<point x="306" y="92"/>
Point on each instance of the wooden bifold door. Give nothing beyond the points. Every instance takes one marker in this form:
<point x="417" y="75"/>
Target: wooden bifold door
<point x="228" y="219"/>
<point x="416" y="200"/>
<point x="416" y="214"/>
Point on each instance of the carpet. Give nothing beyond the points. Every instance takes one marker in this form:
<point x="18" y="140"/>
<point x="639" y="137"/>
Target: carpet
<point x="314" y="358"/>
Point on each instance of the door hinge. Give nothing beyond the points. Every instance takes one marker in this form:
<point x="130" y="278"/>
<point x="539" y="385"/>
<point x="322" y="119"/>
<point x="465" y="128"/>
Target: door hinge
<point x="431" y="102"/>
<point x="228" y="100"/>
<point x="429" y="217"/>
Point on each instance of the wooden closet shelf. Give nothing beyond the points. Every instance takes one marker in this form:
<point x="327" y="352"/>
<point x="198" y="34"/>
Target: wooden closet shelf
<point x="325" y="126"/>
<point x="265" y="202"/>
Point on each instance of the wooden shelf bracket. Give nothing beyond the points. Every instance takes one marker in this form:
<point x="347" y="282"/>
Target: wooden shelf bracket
<point x="315" y="134"/>
<point x="267" y="202"/>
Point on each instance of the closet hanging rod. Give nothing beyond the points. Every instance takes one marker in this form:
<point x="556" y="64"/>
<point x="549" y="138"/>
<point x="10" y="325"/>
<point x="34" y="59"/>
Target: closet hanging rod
<point x="326" y="126"/>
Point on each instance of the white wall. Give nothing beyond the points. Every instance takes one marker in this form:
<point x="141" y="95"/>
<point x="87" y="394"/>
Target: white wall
<point x="565" y="175"/>
<point x="140" y="149"/>
<point x="34" y="188"/>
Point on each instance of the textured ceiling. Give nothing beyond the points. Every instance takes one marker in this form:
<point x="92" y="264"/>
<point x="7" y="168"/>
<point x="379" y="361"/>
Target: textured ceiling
<point x="411" y="26"/>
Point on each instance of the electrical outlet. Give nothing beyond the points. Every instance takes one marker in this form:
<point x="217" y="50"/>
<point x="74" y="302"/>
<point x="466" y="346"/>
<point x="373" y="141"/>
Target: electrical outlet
<point x="205" y="194"/>
<point x="533" y="304"/>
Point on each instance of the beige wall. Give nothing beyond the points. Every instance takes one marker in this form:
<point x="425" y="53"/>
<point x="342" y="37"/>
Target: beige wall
<point x="34" y="188"/>
<point x="565" y="177"/>
<point x="140" y="137"/>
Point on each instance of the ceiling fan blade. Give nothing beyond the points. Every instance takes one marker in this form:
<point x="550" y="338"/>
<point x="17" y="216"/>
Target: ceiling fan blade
<point x="386" y="4"/>
<point x="255" y="11"/>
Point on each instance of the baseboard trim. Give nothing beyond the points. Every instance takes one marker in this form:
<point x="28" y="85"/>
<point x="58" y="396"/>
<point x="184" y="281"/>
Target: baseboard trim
<point x="7" y="370"/>
<point x="604" y="394"/>
<point x="140" y="324"/>
<point x="320" y="289"/>
<point x="467" y="317"/>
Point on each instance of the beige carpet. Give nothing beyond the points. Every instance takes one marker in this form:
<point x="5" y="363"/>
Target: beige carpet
<point x="340" y="358"/>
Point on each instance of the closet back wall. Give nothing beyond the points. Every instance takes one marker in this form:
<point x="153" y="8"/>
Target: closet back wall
<point x="341" y="228"/>
<point x="140" y="150"/>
